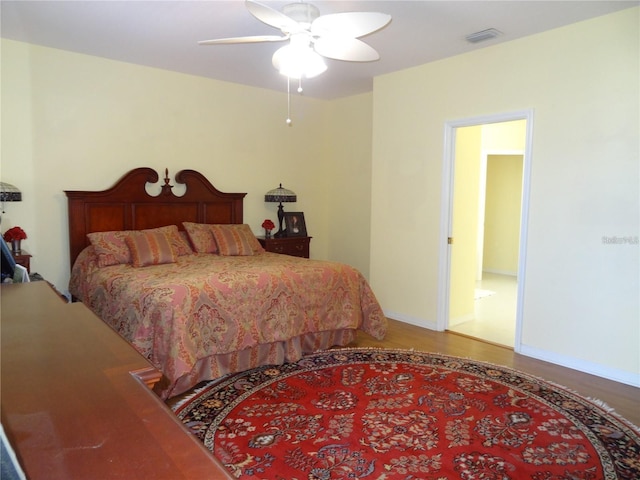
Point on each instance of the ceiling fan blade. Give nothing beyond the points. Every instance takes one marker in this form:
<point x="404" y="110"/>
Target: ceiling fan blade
<point x="254" y="39"/>
<point x="351" y="24"/>
<point x="272" y="17"/>
<point x="348" y="49"/>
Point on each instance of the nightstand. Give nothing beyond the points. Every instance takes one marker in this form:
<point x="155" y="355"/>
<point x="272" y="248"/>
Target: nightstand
<point x="23" y="258"/>
<point x="294" y="246"/>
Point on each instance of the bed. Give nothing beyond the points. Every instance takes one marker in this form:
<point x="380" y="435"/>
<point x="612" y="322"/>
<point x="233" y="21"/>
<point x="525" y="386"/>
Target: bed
<point x="183" y="279"/>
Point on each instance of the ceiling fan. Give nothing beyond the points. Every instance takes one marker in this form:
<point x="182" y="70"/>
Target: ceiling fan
<point x="312" y="36"/>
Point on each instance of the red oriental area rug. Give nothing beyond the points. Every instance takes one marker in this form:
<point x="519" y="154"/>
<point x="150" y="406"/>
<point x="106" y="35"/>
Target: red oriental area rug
<point x="397" y="414"/>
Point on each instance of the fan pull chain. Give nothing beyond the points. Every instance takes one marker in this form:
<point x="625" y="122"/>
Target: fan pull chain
<point x="300" y="90"/>
<point x="288" y="101"/>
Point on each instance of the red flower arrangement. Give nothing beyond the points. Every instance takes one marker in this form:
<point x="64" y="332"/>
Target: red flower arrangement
<point x="15" y="233"/>
<point x="268" y="225"/>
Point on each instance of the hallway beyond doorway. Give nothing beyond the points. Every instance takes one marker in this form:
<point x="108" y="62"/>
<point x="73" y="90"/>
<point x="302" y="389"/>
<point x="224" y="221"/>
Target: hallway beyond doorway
<point x="495" y="314"/>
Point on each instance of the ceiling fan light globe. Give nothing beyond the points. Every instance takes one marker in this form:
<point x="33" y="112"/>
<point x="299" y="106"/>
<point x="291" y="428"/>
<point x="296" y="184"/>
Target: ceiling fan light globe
<point x="294" y="62"/>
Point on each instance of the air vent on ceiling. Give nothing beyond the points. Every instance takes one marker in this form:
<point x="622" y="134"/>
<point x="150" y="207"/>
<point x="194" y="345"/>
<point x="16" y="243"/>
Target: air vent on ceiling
<point x="483" y="35"/>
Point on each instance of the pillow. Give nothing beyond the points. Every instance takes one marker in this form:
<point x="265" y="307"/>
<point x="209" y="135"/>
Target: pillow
<point x="178" y="243"/>
<point x="150" y="248"/>
<point x="245" y="230"/>
<point x="185" y="238"/>
<point x="110" y="247"/>
<point x="201" y="237"/>
<point x="235" y="240"/>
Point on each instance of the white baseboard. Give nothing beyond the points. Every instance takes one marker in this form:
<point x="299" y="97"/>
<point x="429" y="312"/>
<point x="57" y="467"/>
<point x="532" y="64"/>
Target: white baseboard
<point x="418" y="322"/>
<point x="460" y="320"/>
<point x="500" y="272"/>
<point x="582" y="366"/>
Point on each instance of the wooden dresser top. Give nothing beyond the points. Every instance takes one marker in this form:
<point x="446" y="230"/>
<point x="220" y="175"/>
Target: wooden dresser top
<point x="74" y="401"/>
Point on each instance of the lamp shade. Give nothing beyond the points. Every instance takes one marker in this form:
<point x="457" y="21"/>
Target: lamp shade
<point x="9" y="193"/>
<point x="280" y="194"/>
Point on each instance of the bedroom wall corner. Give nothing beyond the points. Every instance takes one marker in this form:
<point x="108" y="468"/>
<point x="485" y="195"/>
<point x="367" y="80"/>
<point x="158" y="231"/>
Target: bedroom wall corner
<point x="348" y="180"/>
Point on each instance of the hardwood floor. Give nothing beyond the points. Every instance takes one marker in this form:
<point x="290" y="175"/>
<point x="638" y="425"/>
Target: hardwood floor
<point x="624" y="399"/>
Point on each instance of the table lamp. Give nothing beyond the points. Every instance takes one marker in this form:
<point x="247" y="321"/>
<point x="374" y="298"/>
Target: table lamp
<point x="280" y="195"/>
<point x="8" y="193"/>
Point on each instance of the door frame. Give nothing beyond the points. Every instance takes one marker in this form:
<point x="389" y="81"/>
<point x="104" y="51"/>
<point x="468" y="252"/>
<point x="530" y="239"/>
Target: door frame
<point x="446" y="216"/>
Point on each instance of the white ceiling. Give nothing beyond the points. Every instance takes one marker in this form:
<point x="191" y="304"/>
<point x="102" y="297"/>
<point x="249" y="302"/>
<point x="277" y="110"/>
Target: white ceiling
<point x="164" y="34"/>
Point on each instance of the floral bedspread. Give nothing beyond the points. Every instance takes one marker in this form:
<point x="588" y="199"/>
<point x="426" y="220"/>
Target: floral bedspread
<point x="178" y="314"/>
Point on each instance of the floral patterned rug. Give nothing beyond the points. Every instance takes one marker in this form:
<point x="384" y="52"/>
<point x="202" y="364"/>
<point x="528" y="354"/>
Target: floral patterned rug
<point x="399" y="414"/>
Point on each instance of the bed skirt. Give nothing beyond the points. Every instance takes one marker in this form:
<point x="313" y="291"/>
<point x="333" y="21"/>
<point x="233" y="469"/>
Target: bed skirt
<point x="275" y="353"/>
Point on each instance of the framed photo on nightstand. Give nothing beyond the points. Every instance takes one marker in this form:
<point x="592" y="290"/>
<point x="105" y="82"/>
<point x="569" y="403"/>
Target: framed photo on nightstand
<point x="294" y="224"/>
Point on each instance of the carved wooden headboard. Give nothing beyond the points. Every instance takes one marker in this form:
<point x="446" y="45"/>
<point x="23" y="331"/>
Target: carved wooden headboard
<point x="128" y="206"/>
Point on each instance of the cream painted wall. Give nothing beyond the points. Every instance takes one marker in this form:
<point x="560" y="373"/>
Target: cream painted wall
<point x="465" y="224"/>
<point x="75" y="122"/>
<point x="581" y="304"/>
<point x="504" y="136"/>
<point x="502" y="214"/>
<point x="348" y="181"/>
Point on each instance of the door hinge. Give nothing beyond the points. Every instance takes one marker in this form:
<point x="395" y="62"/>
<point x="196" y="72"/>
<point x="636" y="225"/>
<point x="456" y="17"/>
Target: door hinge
<point x="450" y="240"/>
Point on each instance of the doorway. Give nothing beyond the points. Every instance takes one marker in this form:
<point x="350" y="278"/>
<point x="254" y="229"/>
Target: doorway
<point x="485" y="204"/>
<point x="492" y="315"/>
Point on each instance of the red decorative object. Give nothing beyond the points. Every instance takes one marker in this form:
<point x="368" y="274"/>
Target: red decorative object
<point x="372" y="413"/>
<point x="268" y="225"/>
<point x="15" y="233"/>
